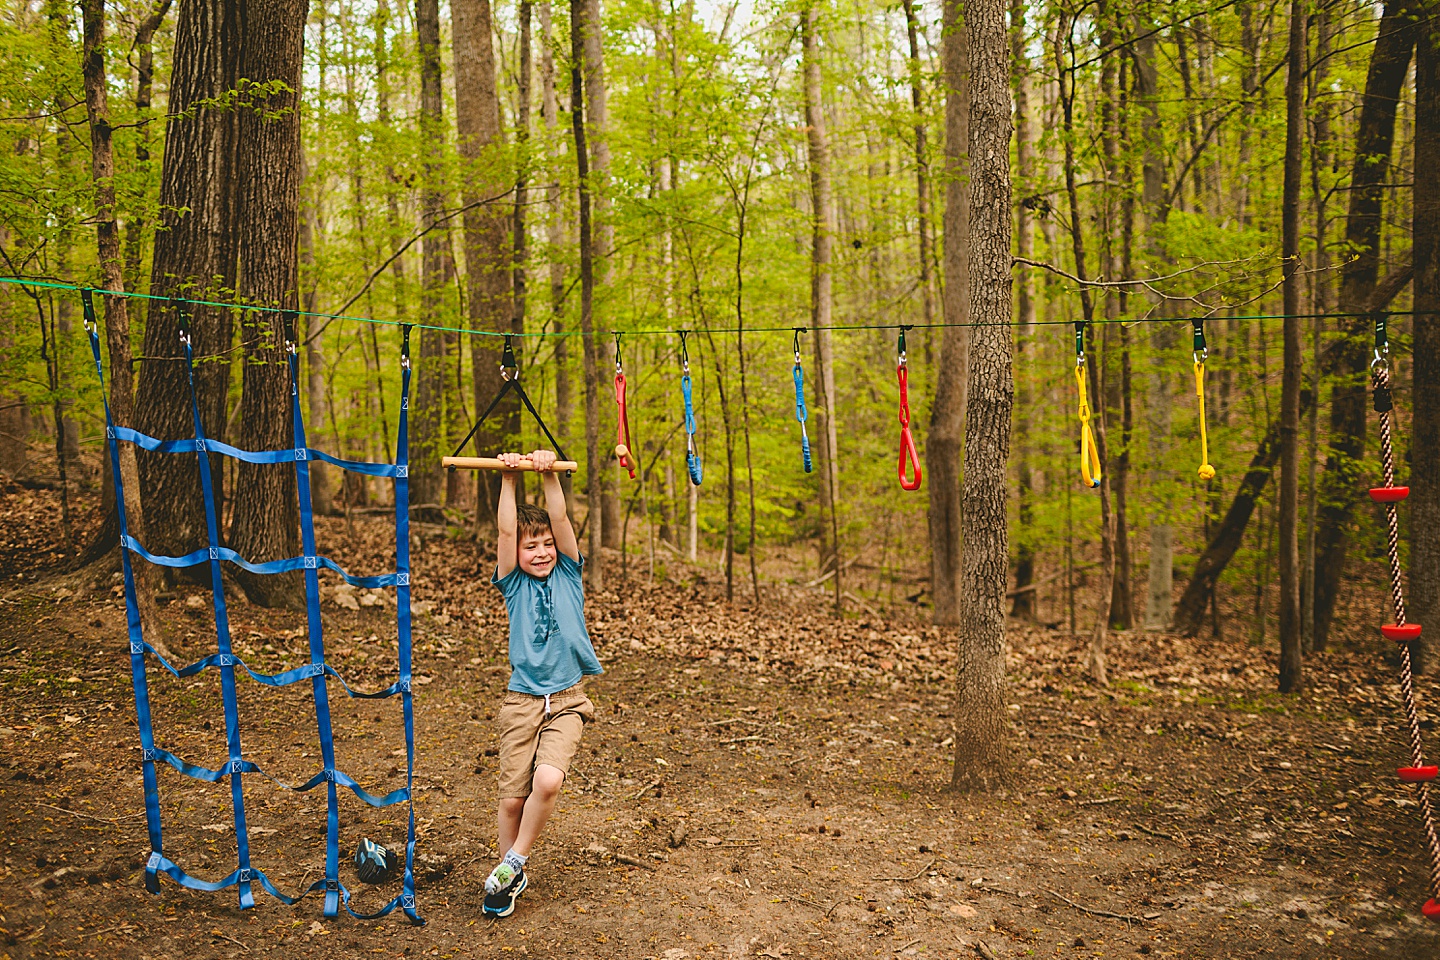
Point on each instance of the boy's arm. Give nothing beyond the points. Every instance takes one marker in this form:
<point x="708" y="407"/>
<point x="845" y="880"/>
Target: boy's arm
<point x="507" y="548"/>
<point x="565" y="540"/>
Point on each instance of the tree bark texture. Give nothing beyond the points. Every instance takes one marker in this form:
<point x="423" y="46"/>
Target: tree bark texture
<point x="822" y="214"/>
<point x="117" y="321"/>
<point x="1291" y="668"/>
<point x="427" y="418"/>
<point x="488" y="237"/>
<point x="597" y="133"/>
<point x="981" y="738"/>
<point x="1424" y="502"/>
<point x="194" y="257"/>
<point x="946" y="438"/>
<point x="265" y="521"/>
<point x="594" y="472"/>
<point x="1343" y="483"/>
<point x="1025" y="602"/>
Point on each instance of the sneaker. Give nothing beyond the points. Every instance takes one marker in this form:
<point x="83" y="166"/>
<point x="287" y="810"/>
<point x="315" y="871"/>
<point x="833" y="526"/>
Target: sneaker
<point x="502" y="904"/>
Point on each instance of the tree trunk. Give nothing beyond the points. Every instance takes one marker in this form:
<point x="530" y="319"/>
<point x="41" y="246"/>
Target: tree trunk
<point x="555" y="237"/>
<point x="822" y="203"/>
<point x="144" y="49"/>
<point x="428" y="414"/>
<point x="265" y="522"/>
<point x="1321" y="161"/>
<point x="1424" y="499"/>
<point x="1160" y="579"/>
<point x="1291" y="676"/>
<point x="594" y="472"/>
<point x="194" y="256"/>
<point x="489" y="235"/>
<point x="922" y="165"/>
<point x="1024" y="604"/>
<point x="981" y="742"/>
<point x="117" y="321"/>
<point x="597" y="132"/>
<point x="1343" y="482"/>
<point x="1096" y="666"/>
<point x="946" y="439"/>
<point x="320" y="416"/>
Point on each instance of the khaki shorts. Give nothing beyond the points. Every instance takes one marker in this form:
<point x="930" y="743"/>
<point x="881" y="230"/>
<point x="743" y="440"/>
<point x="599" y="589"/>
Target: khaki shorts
<point x="529" y="738"/>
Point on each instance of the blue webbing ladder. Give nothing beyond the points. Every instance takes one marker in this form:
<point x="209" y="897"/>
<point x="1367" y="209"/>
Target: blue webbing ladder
<point x="317" y="670"/>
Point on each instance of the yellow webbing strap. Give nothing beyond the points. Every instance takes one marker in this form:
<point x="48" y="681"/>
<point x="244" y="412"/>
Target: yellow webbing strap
<point x="1206" y="470"/>
<point x="1089" y="455"/>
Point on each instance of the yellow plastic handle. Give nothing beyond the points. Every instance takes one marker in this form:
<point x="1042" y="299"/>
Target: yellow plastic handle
<point x="1206" y="471"/>
<point x="1089" y="455"/>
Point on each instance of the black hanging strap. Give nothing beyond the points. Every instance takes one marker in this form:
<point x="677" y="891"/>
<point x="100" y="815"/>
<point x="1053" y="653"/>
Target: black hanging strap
<point x="510" y="372"/>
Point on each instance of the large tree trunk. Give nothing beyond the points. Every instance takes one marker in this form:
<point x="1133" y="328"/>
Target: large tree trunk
<point x="1321" y="164"/>
<point x="946" y="438"/>
<point x="1096" y="665"/>
<point x="265" y="525"/>
<point x="922" y="165"/>
<point x="822" y="214"/>
<point x="594" y="472"/>
<point x="555" y="237"/>
<point x="488" y="237"/>
<point x="1160" y="579"/>
<point x="144" y="48"/>
<point x="1424" y="499"/>
<point x="428" y="415"/>
<point x="597" y="134"/>
<point x="1291" y="675"/>
<point x="117" y="321"/>
<point x="981" y="744"/>
<point x="1343" y="483"/>
<point x="1024" y="605"/>
<point x="194" y="257"/>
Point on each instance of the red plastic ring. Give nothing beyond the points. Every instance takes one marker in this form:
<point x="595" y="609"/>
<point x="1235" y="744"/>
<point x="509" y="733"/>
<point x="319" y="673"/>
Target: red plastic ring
<point x="1402" y="632"/>
<point x="1431" y="909"/>
<point x="1389" y="494"/>
<point x="1418" y="774"/>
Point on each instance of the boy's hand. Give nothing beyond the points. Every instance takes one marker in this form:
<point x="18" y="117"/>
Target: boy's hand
<point x="511" y="460"/>
<point x="543" y="460"/>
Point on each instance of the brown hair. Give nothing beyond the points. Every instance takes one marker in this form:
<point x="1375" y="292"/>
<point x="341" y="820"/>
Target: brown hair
<point x="530" y="520"/>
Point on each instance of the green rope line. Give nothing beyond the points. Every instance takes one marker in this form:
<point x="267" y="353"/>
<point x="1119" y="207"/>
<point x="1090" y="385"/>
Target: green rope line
<point x="658" y="331"/>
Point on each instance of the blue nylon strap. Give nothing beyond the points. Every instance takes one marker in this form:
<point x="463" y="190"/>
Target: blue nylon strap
<point x="160" y="864"/>
<point x="802" y="414"/>
<point x="317" y="647"/>
<point x="269" y="566"/>
<point x="284" y="679"/>
<point x="402" y="622"/>
<point x="692" y="457"/>
<point x="132" y="616"/>
<point x="190" y="445"/>
<point x="222" y="639"/>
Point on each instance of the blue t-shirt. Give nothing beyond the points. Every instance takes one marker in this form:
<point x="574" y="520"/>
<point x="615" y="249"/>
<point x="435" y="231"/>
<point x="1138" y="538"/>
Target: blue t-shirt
<point x="550" y="649"/>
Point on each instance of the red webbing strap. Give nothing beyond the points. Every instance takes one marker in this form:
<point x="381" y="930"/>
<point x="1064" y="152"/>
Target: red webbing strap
<point x="622" y="424"/>
<point x="907" y="440"/>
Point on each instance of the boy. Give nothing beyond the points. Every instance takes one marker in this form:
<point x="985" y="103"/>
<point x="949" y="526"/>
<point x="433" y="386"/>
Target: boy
<point x="537" y="568"/>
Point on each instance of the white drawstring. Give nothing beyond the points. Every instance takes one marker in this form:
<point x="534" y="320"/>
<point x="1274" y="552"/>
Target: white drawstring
<point x="547" y="704"/>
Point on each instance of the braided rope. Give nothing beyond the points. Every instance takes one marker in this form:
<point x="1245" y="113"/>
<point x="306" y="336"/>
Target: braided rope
<point x="1381" y="374"/>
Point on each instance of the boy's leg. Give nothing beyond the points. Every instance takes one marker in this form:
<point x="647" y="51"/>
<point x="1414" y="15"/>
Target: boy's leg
<point x="512" y="810"/>
<point x="536" y="809"/>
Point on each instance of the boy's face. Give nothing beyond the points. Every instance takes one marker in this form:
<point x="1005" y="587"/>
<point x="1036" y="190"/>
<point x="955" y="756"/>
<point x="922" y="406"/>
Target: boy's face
<point x="537" y="553"/>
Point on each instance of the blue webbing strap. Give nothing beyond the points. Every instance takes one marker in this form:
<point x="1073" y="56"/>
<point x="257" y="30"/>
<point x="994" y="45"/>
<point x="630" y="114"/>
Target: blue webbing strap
<point x="251" y="456"/>
<point x="138" y="645"/>
<point x="222" y="628"/>
<point x="402" y="621"/>
<point x="270" y="566"/>
<point x="692" y="456"/>
<point x="801" y="413"/>
<point x="314" y="631"/>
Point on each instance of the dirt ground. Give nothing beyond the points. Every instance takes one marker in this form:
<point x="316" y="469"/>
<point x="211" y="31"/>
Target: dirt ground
<point x="759" y="782"/>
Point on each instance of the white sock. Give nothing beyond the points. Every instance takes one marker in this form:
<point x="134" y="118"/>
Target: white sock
<point x="505" y="871"/>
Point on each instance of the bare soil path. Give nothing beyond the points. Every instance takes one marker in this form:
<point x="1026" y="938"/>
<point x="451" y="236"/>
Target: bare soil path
<point x="762" y="783"/>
